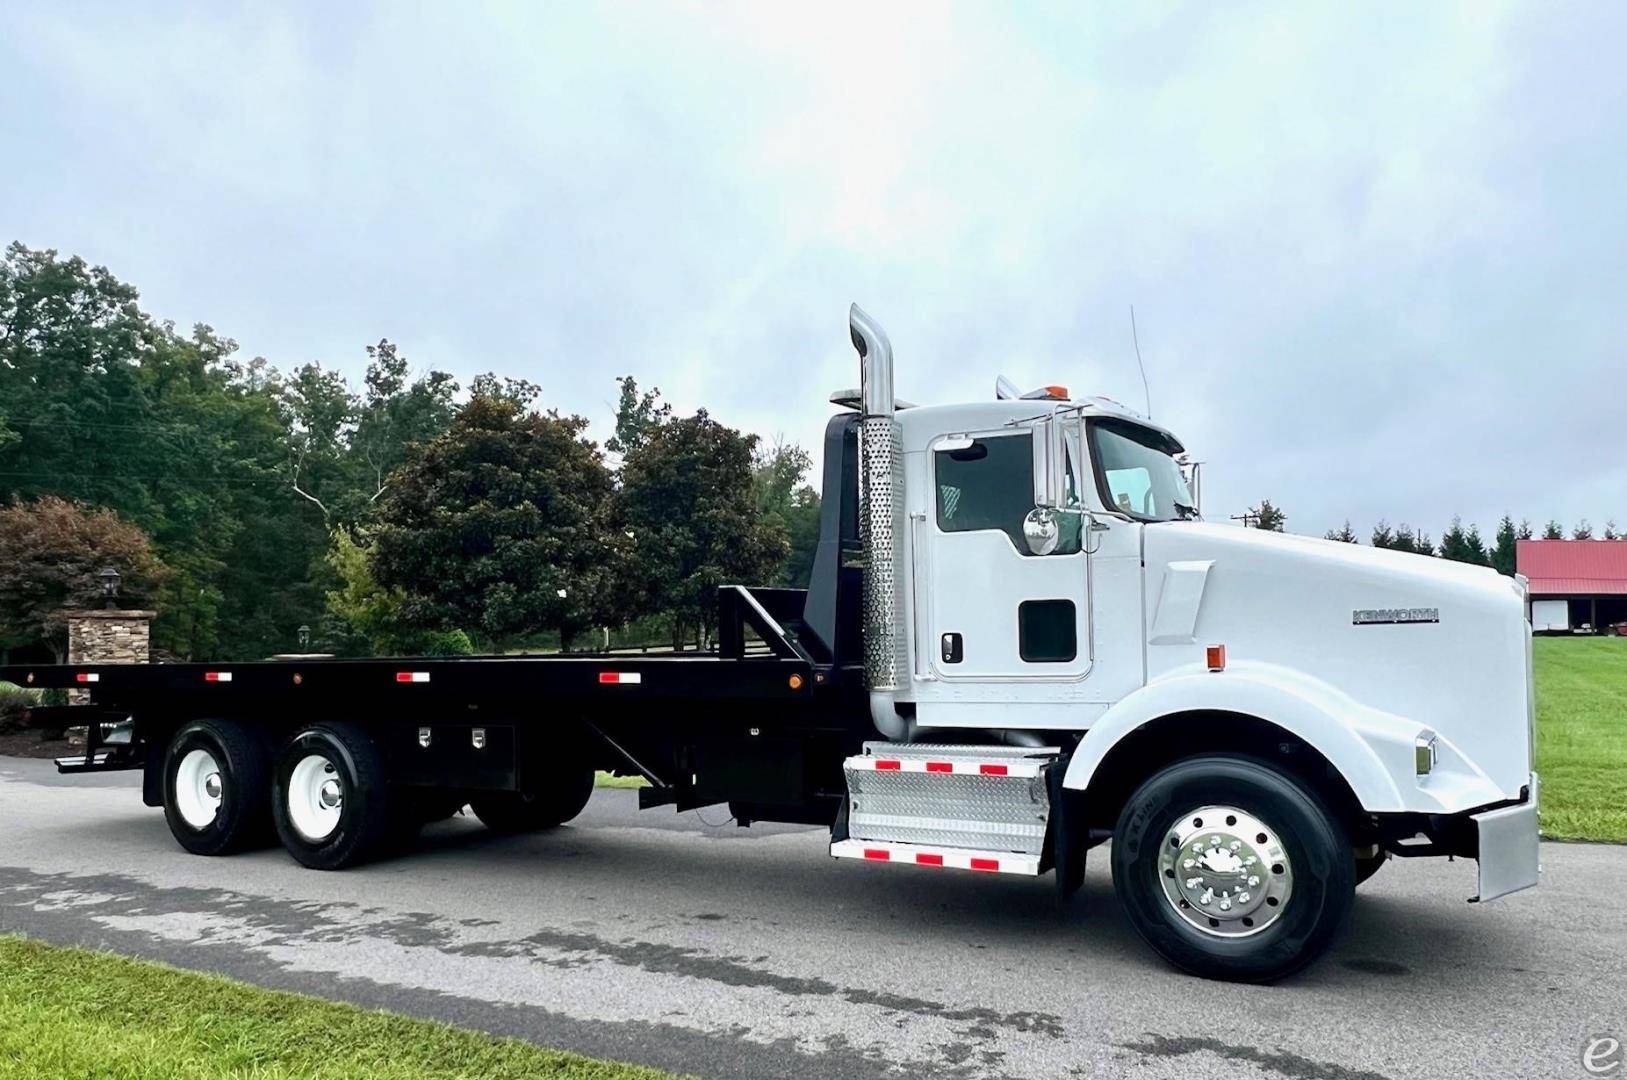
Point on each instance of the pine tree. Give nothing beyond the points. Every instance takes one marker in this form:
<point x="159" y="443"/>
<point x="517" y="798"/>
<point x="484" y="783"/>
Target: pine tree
<point x="1345" y="535"/>
<point x="1265" y="516"/>
<point x="1502" y="552"/>
<point x="1583" y="530"/>
<point x="1553" y="531"/>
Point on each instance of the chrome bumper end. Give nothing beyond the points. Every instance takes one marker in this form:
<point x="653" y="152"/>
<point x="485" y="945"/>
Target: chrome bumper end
<point x="1509" y="855"/>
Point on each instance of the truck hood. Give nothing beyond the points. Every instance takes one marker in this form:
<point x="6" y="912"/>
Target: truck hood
<point x="1421" y="638"/>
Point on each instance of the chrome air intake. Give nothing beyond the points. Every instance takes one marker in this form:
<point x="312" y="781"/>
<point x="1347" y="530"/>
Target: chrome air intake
<point x="881" y="524"/>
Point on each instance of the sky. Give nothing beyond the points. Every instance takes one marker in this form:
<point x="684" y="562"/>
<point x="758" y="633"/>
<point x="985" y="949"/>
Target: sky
<point x="1377" y="254"/>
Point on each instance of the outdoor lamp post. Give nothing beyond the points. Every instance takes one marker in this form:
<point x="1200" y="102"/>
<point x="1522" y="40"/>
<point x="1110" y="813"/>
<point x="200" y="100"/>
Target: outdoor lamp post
<point x="110" y="585"/>
<point x="304" y="637"/>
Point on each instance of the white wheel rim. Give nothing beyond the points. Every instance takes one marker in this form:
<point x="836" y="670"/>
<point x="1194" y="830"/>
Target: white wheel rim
<point x="198" y="788"/>
<point x="316" y="798"/>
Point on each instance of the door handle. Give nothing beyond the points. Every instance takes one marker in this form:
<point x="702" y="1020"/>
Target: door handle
<point x="950" y="645"/>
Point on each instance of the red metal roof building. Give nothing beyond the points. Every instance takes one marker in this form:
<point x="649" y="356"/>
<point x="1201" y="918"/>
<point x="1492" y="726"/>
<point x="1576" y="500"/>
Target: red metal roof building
<point x="1575" y="584"/>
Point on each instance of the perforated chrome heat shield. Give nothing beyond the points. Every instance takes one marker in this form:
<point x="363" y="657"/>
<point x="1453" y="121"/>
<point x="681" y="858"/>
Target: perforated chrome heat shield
<point x="881" y="533"/>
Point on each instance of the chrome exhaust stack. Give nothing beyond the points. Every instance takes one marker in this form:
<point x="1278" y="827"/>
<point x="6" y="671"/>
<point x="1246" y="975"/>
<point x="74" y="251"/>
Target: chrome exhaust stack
<point x="881" y="527"/>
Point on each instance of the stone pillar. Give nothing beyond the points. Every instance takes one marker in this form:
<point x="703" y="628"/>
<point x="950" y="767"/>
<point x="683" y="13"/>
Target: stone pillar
<point x="107" y="637"/>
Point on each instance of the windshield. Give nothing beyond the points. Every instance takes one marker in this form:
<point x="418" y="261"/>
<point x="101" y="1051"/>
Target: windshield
<point x="1136" y="471"/>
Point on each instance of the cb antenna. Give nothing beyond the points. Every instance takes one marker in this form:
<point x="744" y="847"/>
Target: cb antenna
<point x="1134" y="337"/>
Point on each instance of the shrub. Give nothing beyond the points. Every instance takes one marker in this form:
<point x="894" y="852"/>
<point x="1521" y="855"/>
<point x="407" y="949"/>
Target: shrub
<point x="15" y="701"/>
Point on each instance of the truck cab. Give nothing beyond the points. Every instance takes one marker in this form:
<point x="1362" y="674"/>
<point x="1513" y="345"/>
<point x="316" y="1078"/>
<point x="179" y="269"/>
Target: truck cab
<point x="1038" y="574"/>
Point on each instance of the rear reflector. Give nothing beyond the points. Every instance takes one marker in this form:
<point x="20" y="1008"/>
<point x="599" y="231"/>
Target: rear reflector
<point x="620" y="678"/>
<point x="889" y="765"/>
<point x="878" y="854"/>
<point x="412" y="676"/>
<point x="992" y="770"/>
<point x="986" y="864"/>
<point x="940" y="766"/>
<point x="87" y="676"/>
<point x="217" y="676"/>
<point x="1217" y="657"/>
<point x="929" y="860"/>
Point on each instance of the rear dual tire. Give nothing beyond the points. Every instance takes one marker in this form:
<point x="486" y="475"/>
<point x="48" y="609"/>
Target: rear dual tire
<point x="330" y="798"/>
<point x="326" y="796"/>
<point x="557" y="793"/>
<point x="216" y="775"/>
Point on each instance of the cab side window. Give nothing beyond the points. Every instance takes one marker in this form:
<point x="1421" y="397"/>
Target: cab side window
<point x="988" y="485"/>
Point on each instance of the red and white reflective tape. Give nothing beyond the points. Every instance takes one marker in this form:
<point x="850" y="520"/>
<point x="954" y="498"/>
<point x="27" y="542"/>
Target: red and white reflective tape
<point x="87" y="676"/>
<point x="217" y="676"/>
<point x="620" y="678"/>
<point x="411" y="676"/>
<point x="1023" y="767"/>
<point x="989" y="862"/>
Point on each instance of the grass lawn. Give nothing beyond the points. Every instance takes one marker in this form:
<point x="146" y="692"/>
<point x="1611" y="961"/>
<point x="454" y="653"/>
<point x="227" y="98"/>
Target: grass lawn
<point x="69" y="1012"/>
<point x="604" y="779"/>
<point x="1582" y="737"/>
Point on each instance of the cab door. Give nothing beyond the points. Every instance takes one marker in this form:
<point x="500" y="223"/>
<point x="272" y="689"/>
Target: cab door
<point x="998" y="612"/>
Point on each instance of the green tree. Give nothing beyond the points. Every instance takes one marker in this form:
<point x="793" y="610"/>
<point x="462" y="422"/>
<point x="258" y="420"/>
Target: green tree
<point x="1553" y="530"/>
<point x="521" y="393"/>
<point x="500" y="527"/>
<point x="52" y="552"/>
<point x="1345" y="535"/>
<point x="1583" y="530"/>
<point x="366" y="617"/>
<point x="1418" y="543"/>
<point x="395" y="413"/>
<point x="689" y="502"/>
<point x="779" y="480"/>
<point x="1610" y="532"/>
<point x="1402" y="538"/>
<point x="638" y="415"/>
<point x="1266" y="516"/>
<point x="112" y="409"/>
<point x="1502" y="552"/>
<point x="1463" y="545"/>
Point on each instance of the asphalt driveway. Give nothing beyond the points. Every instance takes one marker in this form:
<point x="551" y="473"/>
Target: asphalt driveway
<point x="669" y="940"/>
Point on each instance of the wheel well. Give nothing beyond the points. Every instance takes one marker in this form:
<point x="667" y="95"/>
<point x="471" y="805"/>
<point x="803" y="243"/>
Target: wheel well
<point x="1162" y="742"/>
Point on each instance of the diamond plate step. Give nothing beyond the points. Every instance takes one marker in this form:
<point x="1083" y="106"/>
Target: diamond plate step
<point x="964" y="798"/>
<point x="988" y="862"/>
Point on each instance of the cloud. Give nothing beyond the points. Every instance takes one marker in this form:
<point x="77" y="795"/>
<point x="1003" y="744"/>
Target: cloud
<point x="1376" y="256"/>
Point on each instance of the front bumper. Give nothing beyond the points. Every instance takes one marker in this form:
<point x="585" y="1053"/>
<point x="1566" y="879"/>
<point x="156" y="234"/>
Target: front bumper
<point x="1506" y="843"/>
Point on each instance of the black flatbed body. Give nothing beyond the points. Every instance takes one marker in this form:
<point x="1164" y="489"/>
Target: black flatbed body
<point x="762" y="721"/>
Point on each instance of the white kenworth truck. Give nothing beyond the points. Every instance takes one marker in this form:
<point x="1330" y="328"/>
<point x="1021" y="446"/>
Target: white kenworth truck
<point x="1019" y="641"/>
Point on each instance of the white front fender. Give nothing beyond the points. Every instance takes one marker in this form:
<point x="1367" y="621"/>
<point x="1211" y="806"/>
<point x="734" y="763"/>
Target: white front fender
<point x="1374" y="751"/>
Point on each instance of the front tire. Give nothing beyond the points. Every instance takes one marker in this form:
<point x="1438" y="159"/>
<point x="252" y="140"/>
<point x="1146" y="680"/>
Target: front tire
<point x="1231" y="869"/>
<point x="330" y="799"/>
<point x="216" y="787"/>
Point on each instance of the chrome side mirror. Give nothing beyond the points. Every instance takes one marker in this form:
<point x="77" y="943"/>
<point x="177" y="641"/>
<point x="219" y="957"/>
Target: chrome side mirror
<point x="1040" y="530"/>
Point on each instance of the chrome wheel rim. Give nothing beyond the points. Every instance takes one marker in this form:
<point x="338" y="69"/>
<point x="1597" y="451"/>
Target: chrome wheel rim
<point x="316" y="798"/>
<point x="1225" y="872"/>
<point x="198" y="788"/>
